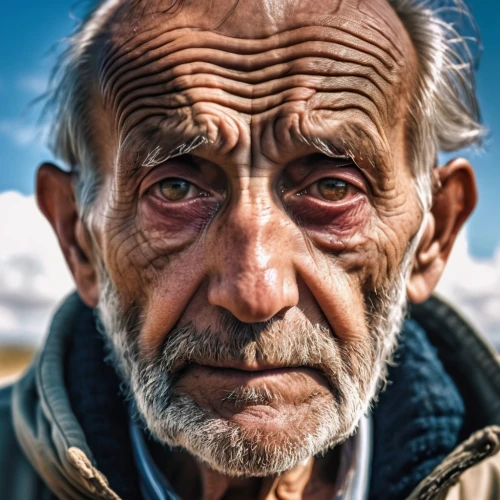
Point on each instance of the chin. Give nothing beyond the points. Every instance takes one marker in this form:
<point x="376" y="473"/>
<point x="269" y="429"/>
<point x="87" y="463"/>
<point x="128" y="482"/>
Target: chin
<point x="255" y="441"/>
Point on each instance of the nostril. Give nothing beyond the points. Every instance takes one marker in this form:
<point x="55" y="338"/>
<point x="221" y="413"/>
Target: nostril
<point x="250" y="305"/>
<point x="281" y="314"/>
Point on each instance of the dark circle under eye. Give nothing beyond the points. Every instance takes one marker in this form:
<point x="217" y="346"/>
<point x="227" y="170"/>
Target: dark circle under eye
<point x="174" y="189"/>
<point x="333" y="189"/>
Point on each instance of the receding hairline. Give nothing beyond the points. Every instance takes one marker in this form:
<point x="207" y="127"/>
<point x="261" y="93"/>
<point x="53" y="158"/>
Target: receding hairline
<point x="226" y="20"/>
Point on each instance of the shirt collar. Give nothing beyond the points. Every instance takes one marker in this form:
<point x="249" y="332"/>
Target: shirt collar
<point x="154" y="485"/>
<point x="355" y="463"/>
<point x="353" y="477"/>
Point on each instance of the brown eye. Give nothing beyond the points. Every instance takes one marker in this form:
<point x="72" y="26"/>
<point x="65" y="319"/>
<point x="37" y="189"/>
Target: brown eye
<point x="333" y="189"/>
<point x="174" y="189"/>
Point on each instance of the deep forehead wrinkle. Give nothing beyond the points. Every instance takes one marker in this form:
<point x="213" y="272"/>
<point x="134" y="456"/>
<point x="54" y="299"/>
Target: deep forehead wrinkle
<point x="151" y="44"/>
<point x="348" y="55"/>
<point x="248" y="61"/>
<point x="308" y="52"/>
<point x="138" y="27"/>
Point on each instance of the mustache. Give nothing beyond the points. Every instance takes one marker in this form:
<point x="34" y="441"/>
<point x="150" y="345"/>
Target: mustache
<point x="273" y="342"/>
<point x="280" y="342"/>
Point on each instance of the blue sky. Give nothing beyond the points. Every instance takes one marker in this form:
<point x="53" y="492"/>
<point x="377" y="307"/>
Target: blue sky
<point x="30" y="30"/>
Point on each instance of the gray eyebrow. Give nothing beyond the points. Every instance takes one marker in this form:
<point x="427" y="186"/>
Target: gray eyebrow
<point x="331" y="150"/>
<point x="349" y="143"/>
<point x="156" y="156"/>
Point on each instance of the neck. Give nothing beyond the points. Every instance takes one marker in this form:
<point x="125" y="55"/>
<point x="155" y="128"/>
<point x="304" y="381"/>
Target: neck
<point x="312" y="480"/>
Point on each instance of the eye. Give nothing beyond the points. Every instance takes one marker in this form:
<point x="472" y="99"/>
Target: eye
<point x="177" y="189"/>
<point x="330" y="189"/>
<point x="333" y="189"/>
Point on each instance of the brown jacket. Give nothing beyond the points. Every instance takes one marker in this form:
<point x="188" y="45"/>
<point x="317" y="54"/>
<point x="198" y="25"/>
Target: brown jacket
<point x="44" y="452"/>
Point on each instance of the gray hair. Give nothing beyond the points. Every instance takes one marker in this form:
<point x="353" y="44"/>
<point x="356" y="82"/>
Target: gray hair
<point x="443" y="114"/>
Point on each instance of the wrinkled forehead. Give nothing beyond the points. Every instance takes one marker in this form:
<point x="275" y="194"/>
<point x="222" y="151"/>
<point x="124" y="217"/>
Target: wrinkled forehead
<point x="353" y="54"/>
<point x="136" y="27"/>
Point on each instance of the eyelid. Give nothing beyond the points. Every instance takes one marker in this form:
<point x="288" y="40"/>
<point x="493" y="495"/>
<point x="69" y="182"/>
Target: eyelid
<point x="156" y="190"/>
<point x="351" y="175"/>
<point x="159" y="174"/>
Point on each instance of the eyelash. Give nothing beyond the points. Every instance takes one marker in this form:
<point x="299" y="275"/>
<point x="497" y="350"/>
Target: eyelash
<point x="309" y="190"/>
<point x="351" y="190"/>
<point x="198" y="192"/>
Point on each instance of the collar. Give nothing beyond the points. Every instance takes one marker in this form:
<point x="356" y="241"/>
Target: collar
<point x="154" y="485"/>
<point x="352" y="482"/>
<point x="355" y="463"/>
<point x="51" y="437"/>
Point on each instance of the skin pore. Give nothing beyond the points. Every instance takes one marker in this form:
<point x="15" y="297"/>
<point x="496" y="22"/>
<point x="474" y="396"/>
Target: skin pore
<point x="253" y="165"/>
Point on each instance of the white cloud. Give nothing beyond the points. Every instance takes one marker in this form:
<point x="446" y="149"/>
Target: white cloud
<point x="34" y="277"/>
<point x="33" y="274"/>
<point x="473" y="285"/>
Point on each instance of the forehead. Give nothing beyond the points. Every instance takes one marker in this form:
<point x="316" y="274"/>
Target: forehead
<point x="346" y="58"/>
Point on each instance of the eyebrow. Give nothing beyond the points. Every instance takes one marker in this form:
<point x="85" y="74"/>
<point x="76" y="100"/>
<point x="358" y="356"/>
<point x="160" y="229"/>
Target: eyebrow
<point x="348" y="141"/>
<point x="156" y="155"/>
<point x="351" y="142"/>
<point x="147" y="148"/>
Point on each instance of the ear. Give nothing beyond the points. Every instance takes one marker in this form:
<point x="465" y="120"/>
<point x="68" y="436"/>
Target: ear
<point x="56" y="199"/>
<point x="453" y="203"/>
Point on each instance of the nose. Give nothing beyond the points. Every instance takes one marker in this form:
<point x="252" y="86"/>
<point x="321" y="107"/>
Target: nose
<point x="254" y="277"/>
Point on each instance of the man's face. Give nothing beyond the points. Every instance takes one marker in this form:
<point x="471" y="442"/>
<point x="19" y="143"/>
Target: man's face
<point x="255" y="219"/>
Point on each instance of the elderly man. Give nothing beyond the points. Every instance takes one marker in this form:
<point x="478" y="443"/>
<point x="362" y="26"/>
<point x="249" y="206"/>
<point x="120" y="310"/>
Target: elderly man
<point x="252" y="198"/>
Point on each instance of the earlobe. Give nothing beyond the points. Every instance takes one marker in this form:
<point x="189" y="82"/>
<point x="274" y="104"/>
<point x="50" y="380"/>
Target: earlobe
<point x="452" y="205"/>
<point x="56" y="200"/>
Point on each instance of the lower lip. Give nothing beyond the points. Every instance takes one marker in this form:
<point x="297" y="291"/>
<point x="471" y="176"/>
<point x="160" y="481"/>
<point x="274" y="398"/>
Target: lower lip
<point x="210" y="387"/>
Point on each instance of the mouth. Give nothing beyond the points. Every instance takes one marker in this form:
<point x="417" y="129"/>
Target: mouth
<point x="234" y="367"/>
<point x="254" y="366"/>
<point x="252" y="394"/>
<point x="244" y="375"/>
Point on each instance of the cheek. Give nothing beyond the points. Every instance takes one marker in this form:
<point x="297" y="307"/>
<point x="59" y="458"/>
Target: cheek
<point x="353" y="256"/>
<point x="153" y="262"/>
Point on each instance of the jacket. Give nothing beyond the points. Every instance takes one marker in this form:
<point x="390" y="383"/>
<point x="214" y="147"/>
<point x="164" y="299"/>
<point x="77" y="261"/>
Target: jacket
<point x="45" y="454"/>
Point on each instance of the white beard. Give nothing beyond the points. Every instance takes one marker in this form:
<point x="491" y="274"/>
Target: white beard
<point x="177" y="420"/>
